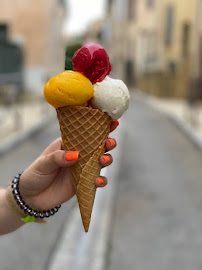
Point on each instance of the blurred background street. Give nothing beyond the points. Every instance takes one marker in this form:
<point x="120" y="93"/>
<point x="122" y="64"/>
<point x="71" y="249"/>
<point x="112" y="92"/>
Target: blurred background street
<point x="150" y="214"/>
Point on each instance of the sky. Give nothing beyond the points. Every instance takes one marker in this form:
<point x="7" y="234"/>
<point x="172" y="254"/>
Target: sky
<point x="81" y="13"/>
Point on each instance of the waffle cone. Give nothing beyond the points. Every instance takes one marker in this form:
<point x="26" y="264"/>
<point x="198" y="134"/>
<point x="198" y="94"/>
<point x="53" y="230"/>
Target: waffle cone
<point x="85" y="130"/>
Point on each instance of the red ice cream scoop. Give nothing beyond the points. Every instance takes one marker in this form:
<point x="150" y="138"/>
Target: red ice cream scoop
<point x="92" y="61"/>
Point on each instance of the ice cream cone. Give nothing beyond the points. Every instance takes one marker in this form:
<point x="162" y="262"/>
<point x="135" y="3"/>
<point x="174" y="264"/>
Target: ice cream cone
<point x="85" y="130"/>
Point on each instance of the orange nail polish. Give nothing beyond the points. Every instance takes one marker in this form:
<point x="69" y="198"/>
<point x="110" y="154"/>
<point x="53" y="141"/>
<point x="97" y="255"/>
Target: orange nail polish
<point x="100" y="181"/>
<point x="106" y="159"/>
<point x="114" y="125"/>
<point x="72" y="156"/>
<point x="112" y="142"/>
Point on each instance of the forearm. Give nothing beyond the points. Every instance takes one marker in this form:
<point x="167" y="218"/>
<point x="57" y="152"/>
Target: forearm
<point x="9" y="221"/>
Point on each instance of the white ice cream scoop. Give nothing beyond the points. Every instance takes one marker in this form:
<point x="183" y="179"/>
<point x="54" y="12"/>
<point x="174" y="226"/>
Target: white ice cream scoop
<point x="111" y="96"/>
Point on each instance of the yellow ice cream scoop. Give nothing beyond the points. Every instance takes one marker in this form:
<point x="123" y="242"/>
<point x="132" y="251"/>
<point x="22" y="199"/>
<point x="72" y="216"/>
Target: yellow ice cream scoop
<point x="68" y="88"/>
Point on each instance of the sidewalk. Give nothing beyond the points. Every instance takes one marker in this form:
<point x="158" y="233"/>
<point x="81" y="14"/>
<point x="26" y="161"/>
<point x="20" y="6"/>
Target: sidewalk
<point x="20" y="121"/>
<point x="188" y="118"/>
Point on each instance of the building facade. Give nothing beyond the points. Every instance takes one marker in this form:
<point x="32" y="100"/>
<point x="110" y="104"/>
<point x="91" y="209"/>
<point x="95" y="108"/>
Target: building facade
<point x="200" y="40"/>
<point x="134" y="28"/>
<point x="197" y="61"/>
<point x="37" y="27"/>
<point x="157" y="42"/>
<point x="177" y="46"/>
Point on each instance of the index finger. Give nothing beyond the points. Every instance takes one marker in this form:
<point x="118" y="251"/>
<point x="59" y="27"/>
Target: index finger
<point x="56" y="145"/>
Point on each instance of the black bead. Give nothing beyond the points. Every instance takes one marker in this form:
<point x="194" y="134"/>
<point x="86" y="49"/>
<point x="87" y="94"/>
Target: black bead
<point x="14" y="186"/>
<point x="21" y="205"/>
<point x="15" y="180"/>
<point x="18" y="202"/>
<point x="15" y="192"/>
<point x="41" y="215"/>
<point x="18" y="197"/>
<point x="47" y="214"/>
<point x="36" y="214"/>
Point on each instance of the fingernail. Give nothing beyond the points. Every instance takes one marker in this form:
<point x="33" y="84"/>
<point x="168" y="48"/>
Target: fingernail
<point x="100" y="181"/>
<point x="106" y="159"/>
<point x="72" y="156"/>
<point x="112" y="142"/>
<point x="114" y="124"/>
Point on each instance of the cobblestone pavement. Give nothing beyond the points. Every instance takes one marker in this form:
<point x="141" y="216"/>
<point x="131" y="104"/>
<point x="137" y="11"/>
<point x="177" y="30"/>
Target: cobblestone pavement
<point x="157" y="220"/>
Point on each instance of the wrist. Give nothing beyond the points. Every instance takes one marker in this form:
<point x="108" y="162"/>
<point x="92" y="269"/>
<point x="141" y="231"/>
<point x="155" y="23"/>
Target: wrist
<point x="14" y="208"/>
<point x="11" y="203"/>
<point x="9" y="206"/>
<point x="19" y="206"/>
<point x="27" y="188"/>
<point x="10" y="221"/>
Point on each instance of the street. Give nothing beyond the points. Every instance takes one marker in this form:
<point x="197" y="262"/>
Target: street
<point x="156" y="219"/>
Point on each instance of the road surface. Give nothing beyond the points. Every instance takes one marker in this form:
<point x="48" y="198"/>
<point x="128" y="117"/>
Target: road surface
<point x="157" y="220"/>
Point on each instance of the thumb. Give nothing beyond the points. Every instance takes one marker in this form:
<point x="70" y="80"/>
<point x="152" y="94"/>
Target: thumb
<point x="49" y="163"/>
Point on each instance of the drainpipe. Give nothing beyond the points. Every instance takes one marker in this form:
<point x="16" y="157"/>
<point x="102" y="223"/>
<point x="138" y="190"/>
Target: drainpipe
<point x="196" y="35"/>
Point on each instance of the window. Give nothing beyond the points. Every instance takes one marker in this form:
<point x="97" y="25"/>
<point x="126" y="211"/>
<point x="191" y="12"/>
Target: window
<point x="185" y="39"/>
<point x="131" y="9"/>
<point x="109" y="6"/>
<point x="169" y="25"/>
<point x="62" y="2"/>
<point x="150" y="3"/>
<point x="120" y="9"/>
<point x="200" y="57"/>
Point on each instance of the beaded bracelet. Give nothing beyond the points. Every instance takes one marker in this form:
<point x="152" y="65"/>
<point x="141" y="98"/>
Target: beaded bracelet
<point x="27" y="210"/>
